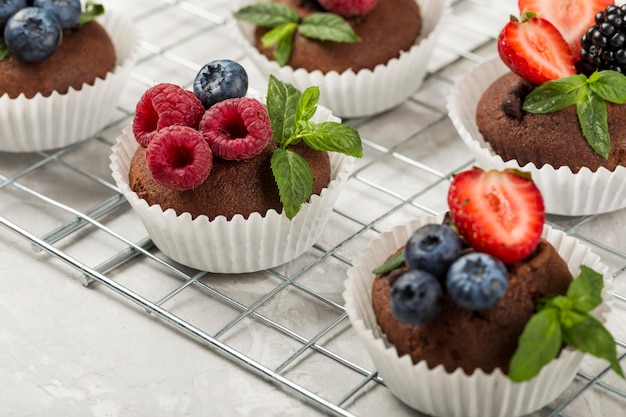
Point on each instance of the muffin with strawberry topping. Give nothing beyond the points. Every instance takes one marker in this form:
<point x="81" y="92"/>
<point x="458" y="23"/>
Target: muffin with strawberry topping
<point x="227" y="182"/>
<point x="58" y="60"/>
<point x="352" y="49"/>
<point x="552" y="104"/>
<point x="454" y="309"/>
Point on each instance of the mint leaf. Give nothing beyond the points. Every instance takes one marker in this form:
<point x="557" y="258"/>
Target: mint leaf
<point x="92" y="10"/>
<point x="294" y="179"/>
<point x="539" y="344"/>
<point x="593" y="119"/>
<point x="269" y="15"/>
<point x="390" y="264"/>
<point x="610" y="86"/>
<point x="307" y="105"/>
<point x="282" y="101"/>
<point x="4" y="50"/>
<point x="282" y="37"/>
<point x="327" y="27"/>
<point x="590" y="336"/>
<point x="555" y="95"/>
<point x="586" y="290"/>
<point x="332" y="136"/>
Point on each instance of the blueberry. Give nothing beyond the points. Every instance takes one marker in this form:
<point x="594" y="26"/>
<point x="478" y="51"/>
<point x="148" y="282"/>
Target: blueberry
<point x="66" y="11"/>
<point x="220" y="80"/>
<point x="416" y="297"/>
<point x="477" y="281"/>
<point x="33" y="34"/>
<point x="8" y="8"/>
<point x="433" y="248"/>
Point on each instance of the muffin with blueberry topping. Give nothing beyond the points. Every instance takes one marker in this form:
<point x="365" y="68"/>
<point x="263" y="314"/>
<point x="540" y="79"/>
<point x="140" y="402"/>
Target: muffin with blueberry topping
<point x="58" y="60"/>
<point x="242" y="185"/>
<point x="454" y="309"/>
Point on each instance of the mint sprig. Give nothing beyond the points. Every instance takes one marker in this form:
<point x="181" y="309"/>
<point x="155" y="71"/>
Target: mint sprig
<point x="283" y="22"/>
<point x="290" y="112"/>
<point x="4" y="49"/>
<point x="589" y="95"/>
<point x="565" y="319"/>
<point x="92" y="10"/>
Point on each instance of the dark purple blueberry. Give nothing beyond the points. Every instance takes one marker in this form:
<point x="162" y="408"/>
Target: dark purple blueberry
<point x="433" y="248"/>
<point x="66" y="11"/>
<point x="416" y="297"/>
<point x="477" y="281"/>
<point x="220" y="80"/>
<point x="8" y="8"/>
<point x="33" y="34"/>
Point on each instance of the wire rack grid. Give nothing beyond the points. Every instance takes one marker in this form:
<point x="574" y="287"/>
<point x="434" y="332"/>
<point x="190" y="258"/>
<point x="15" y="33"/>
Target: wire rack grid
<point x="66" y="205"/>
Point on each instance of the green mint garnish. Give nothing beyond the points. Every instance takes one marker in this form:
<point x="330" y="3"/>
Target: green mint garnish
<point x="92" y="10"/>
<point x="283" y="22"/>
<point x="390" y="264"/>
<point x="290" y="112"/>
<point x="4" y="50"/>
<point x="565" y="319"/>
<point x="589" y="95"/>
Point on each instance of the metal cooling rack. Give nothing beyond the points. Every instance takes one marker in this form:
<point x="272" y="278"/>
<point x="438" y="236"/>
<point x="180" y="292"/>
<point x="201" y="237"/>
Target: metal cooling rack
<point x="410" y="155"/>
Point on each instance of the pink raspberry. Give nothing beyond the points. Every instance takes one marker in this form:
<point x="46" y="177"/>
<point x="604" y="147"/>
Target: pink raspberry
<point x="165" y="105"/>
<point x="236" y="128"/>
<point x="348" y="8"/>
<point x="179" y="158"/>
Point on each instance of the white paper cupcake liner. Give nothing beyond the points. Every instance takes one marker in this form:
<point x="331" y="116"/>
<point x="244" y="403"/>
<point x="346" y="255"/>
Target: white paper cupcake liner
<point x="238" y="245"/>
<point x="440" y="393"/>
<point x="366" y="92"/>
<point x="42" y="123"/>
<point x="564" y="192"/>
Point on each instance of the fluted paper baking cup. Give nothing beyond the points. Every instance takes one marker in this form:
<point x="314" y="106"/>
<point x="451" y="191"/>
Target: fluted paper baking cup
<point x="238" y="245"/>
<point x="441" y="393"/>
<point x="365" y="92"/>
<point x="564" y="192"/>
<point x="42" y="123"/>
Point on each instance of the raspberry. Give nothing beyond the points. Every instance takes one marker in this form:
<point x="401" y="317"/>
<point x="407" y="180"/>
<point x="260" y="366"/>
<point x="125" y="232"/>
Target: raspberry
<point x="165" y="105"/>
<point x="179" y="158"/>
<point x="236" y="128"/>
<point x="348" y="8"/>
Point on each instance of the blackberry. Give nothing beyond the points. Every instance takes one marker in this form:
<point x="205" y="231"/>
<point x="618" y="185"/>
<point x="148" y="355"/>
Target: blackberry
<point x="603" y="46"/>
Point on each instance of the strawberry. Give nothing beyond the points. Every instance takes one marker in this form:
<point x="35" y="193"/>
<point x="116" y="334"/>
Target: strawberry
<point x="535" y="50"/>
<point x="497" y="212"/>
<point x="570" y="17"/>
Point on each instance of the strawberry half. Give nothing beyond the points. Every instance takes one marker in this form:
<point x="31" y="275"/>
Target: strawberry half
<point x="571" y="17"/>
<point x="497" y="212"/>
<point x="534" y="49"/>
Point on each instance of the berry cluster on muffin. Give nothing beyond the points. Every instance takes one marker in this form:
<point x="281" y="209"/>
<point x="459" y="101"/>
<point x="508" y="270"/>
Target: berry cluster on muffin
<point x="570" y="67"/>
<point x="477" y="290"/>
<point x="182" y="132"/>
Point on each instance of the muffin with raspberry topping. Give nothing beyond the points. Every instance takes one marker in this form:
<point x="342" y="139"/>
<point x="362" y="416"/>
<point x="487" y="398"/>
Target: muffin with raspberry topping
<point x="511" y="112"/>
<point x="82" y="71"/>
<point x="366" y="66"/>
<point x="453" y="309"/>
<point x="240" y="187"/>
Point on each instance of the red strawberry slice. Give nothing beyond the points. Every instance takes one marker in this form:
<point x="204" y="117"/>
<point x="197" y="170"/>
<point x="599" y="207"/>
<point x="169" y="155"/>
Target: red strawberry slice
<point x="497" y="212"/>
<point x="535" y="50"/>
<point x="571" y="17"/>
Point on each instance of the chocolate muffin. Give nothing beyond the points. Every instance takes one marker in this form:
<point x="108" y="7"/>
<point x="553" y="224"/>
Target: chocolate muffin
<point x="233" y="187"/>
<point x="390" y="27"/>
<point x="469" y="339"/>
<point x="85" y="54"/>
<point x="555" y="139"/>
